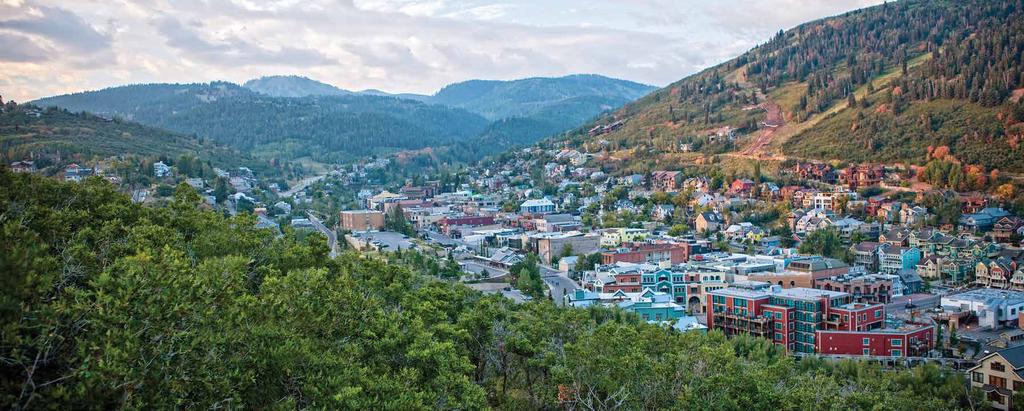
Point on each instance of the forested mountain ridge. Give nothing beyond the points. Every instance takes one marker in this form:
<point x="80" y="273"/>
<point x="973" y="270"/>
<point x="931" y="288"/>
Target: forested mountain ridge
<point x="290" y="117"/>
<point x="120" y="306"/>
<point x="860" y="86"/>
<point x="52" y="136"/>
<point x="329" y="128"/>
<point x="496" y="99"/>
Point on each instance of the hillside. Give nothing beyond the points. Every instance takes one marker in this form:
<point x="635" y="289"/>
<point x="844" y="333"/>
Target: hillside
<point x="878" y="84"/>
<point x="293" y="117"/>
<point x="28" y="131"/>
<point x="527" y="97"/>
<point x="329" y="128"/>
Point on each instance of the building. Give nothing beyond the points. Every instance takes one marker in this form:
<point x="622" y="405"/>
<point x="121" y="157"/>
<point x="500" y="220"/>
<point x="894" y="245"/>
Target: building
<point x="667" y="181"/>
<point x="803" y="272"/>
<point x="1000" y="375"/>
<point x="360" y="220"/>
<point x="708" y="222"/>
<point x="160" y="169"/>
<point x="994" y="308"/>
<point x="865" y="254"/>
<point x="870" y="288"/>
<point x="74" y="172"/>
<point x="893" y="259"/>
<point x="807" y="321"/>
<point x="551" y="245"/>
<point x="983" y="220"/>
<point x="672" y="253"/>
<point x="23" y="166"/>
<point x="1006" y="228"/>
<point x="907" y="339"/>
<point x="537" y="206"/>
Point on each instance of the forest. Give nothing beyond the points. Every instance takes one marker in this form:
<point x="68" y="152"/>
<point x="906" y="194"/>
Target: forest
<point x="120" y="306"/>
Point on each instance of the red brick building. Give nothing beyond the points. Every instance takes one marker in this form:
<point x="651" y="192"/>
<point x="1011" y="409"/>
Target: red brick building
<point x="804" y="320"/>
<point x="676" y="253"/>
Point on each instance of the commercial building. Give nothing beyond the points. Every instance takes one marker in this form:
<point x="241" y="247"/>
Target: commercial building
<point x="805" y="320"/>
<point x="993" y="308"/>
<point x="362" y="220"/>
<point x="673" y="253"/>
<point x="550" y="245"/>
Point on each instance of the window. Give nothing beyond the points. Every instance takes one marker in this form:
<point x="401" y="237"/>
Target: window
<point x="896" y="342"/>
<point x="1017" y="385"/>
<point x="897" y="353"/>
<point x="867" y="351"/>
<point x="778" y="336"/>
<point x="977" y="377"/>
<point x="866" y="341"/>
<point x="997" y="366"/>
<point x="997" y="381"/>
<point x="778" y="326"/>
<point x="995" y="396"/>
<point x="878" y="313"/>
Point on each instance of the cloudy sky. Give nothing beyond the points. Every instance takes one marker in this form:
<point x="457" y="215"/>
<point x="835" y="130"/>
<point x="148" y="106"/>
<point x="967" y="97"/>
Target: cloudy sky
<point x="52" y="47"/>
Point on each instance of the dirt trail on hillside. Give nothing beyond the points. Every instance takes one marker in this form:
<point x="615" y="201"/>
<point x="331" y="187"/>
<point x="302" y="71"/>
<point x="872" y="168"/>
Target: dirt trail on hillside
<point x="772" y="122"/>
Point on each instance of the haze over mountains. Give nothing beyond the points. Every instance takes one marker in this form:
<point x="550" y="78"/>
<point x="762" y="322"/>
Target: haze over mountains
<point x="290" y="116"/>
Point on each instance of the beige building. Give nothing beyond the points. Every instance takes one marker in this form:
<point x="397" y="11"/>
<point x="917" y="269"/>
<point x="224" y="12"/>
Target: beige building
<point x="362" y="220"/>
<point x="550" y="246"/>
<point x="999" y="375"/>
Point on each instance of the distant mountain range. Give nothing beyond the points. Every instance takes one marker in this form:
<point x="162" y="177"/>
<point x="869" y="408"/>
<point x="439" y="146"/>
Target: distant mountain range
<point x="291" y="116"/>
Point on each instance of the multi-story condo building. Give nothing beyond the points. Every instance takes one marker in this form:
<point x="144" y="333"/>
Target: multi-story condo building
<point x="805" y="320"/>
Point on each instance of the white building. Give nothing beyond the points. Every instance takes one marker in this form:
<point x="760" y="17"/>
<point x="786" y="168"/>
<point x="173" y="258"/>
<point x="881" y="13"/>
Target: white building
<point x="993" y="307"/>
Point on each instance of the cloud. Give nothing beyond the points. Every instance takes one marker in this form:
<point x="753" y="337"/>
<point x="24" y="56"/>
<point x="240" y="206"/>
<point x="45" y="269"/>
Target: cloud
<point x="62" y="27"/>
<point x="56" y="46"/>
<point x="21" y="49"/>
<point x="231" y="50"/>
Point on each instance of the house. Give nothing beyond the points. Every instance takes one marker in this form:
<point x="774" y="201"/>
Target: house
<point x="1000" y="375"/>
<point x="567" y="264"/>
<point x="160" y="169"/>
<point x="860" y="176"/>
<point x="741" y="186"/>
<point x="983" y="220"/>
<point x="892" y="259"/>
<point x="1006" y="228"/>
<point x="865" y="254"/>
<point x="913" y="216"/>
<point x="23" y="166"/>
<point x="667" y="181"/>
<point x="708" y="222"/>
<point x="537" y="206"/>
<point x="74" y="172"/>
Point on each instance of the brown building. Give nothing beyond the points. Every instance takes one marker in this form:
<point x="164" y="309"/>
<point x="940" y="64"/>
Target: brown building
<point x="869" y="289"/>
<point x="676" y="253"/>
<point x="362" y="220"/>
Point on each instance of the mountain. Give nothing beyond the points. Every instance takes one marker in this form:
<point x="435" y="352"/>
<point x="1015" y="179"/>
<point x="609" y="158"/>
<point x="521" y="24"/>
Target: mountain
<point x="328" y="128"/>
<point x="522" y="98"/>
<point x="888" y="83"/>
<point x="29" y="131"/>
<point x="292" y="86"/>
<point x="291" y="116"/>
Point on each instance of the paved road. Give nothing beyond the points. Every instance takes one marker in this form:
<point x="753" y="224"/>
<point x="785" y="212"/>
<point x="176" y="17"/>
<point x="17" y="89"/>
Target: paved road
<point x="474" y="266"/>
<point x="332" y="237"/>
<point x="442" y="239"/>
<point x="559" y="284"/>
<point x="301" y="185"/>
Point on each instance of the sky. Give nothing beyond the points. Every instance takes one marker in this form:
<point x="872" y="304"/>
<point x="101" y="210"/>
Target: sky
<point x="50" y="47"/>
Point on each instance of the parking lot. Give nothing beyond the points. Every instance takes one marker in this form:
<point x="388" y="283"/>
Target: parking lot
<point x="387" y="240"/>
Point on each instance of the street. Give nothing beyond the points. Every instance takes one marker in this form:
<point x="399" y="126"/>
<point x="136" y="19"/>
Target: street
<point x="559" y="283"/>
<point x="332" y="237"/>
